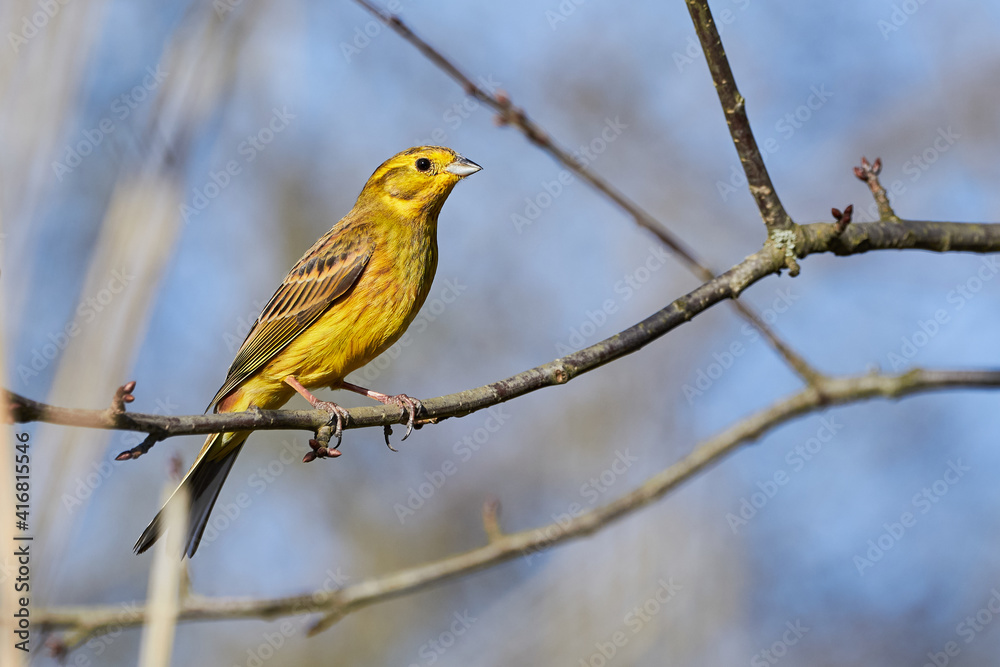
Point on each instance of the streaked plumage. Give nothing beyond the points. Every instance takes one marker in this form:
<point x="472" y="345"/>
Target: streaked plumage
<point x="349" y="298"/>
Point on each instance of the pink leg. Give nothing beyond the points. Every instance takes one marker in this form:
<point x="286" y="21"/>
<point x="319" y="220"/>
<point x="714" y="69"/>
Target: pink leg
<point x="320" y="452"/>
<point x="399" y="400"/>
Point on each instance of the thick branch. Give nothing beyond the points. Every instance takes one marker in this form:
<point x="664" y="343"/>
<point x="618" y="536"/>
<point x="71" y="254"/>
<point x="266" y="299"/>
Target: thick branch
<point x="734" y="108"/>
<point x="814" y="238"/>
<point x="334" y="605"/>
<point x="899" y="235"/>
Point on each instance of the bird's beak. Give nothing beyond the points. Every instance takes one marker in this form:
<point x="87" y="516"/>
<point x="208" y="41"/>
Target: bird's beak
<point x="462" y="167"/>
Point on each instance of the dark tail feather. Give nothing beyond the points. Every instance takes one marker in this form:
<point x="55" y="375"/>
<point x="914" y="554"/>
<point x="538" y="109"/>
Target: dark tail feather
<point x="203" y="483"/>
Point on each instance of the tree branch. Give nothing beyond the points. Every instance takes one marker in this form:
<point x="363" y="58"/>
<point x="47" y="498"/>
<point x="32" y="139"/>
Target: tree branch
<point x="812" y="238"/>
<point x="734" y="108"/>
<point x="334" y="605"/>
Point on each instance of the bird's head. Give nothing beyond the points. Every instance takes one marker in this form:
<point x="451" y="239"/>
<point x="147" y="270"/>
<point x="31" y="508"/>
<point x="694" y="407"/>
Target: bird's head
<point x="418" y="180"/>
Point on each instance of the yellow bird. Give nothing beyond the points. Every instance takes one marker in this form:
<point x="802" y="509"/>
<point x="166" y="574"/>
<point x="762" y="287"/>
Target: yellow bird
<point x="349" y="298"/>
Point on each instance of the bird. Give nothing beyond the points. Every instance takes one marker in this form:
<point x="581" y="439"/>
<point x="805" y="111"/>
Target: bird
<point x="347" y="300"/>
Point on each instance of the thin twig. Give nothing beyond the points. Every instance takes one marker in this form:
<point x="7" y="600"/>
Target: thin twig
<point x="334" y="605"/>
<point x="792" y="358"/>
<point x="868" y="173"/>
<point x="491" y="520"/>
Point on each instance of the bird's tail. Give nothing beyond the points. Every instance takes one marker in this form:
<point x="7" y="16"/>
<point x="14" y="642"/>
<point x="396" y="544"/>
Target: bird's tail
<point x="203" y="482"/>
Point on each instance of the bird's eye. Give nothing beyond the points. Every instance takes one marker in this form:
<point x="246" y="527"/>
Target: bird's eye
<point x="423" y="164"/>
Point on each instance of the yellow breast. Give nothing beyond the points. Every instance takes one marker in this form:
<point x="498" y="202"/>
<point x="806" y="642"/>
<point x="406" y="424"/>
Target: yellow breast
<point x="370" y="316"/>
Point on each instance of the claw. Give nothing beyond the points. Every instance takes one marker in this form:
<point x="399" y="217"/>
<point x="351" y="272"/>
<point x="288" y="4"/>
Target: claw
<point x="338" y="430"/>
<point x="338" y="413"/>
<point x="406" y="403"/>
<point x="410" y="405"/>
<point x="320" y="444"/>
<point x="387" y="430"/>
<point x="411" y="409"/>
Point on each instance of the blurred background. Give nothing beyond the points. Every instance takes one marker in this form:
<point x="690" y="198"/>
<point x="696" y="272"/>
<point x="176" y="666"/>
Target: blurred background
<point x="164" y="164"/>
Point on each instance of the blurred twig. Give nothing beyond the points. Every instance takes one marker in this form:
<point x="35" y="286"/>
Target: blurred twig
<point x="83" y="622"/>
<point x="165" y="584"/>
<point x="509" y="114"/>
<point x="813" y="238"/>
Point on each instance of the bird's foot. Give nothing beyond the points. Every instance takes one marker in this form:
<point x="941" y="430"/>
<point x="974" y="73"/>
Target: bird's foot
<point x="407" y="403"/>
<point x="411" y="405"/>
<point x="319" y="444"/>
<point x="336" y="412"/>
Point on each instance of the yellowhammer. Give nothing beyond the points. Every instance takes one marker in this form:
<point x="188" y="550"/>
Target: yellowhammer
<point x="348" y="299"/>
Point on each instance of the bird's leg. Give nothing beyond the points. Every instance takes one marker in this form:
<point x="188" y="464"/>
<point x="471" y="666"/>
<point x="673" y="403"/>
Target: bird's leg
<point x="334" y="409"/>
<point x="399" y="400"/>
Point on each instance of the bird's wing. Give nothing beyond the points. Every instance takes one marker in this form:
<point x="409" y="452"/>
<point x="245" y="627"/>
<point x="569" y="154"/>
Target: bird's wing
<point x="323" y="274"/>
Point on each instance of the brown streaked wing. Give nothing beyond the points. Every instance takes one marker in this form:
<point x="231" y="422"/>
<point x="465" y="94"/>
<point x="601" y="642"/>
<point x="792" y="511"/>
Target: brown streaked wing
<point x="314" y="283"/>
